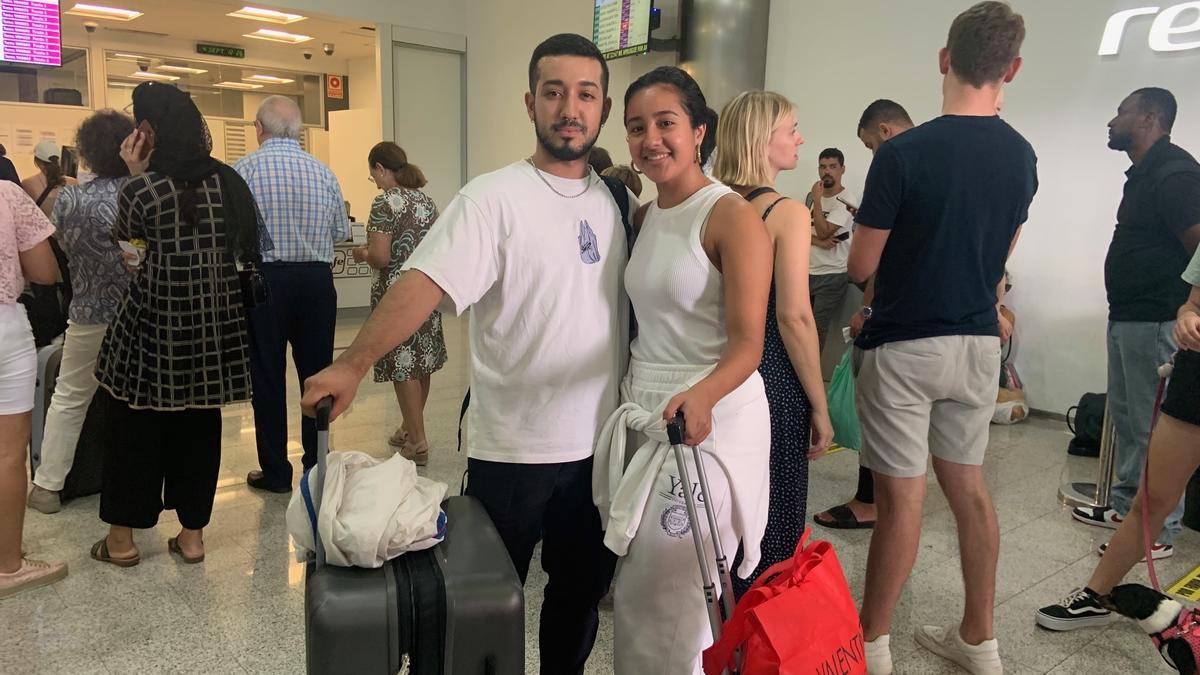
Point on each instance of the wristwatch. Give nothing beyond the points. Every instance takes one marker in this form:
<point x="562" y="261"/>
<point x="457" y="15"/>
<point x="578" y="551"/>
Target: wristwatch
<point x="866" y="313"/>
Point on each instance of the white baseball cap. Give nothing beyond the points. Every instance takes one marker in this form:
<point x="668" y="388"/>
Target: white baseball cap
<point x="47" y="150"/>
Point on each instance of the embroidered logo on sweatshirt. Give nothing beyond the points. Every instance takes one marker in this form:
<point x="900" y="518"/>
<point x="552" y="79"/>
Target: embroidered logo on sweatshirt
<point x="589" y="249"/>
<point x="674" y="521"/>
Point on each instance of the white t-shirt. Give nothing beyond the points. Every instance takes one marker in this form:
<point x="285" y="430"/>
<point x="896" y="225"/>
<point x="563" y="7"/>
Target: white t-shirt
<point x="834" y="261"/>
<point x="549" y="326"/>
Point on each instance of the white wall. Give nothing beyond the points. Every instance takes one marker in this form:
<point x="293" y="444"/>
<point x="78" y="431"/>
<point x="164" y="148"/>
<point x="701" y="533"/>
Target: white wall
<point x="19" y="118"/>
<point x="364" y="84"/>
<point x="1060" y="101"/>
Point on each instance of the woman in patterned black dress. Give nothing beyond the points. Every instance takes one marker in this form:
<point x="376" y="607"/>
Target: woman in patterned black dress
<point x="177" y="349"/>
<point x="756" y="139"/>
<point x="400" y="219"/>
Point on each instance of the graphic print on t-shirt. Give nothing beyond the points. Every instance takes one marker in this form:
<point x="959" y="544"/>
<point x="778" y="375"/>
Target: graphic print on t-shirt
<point x="589" y="249"/>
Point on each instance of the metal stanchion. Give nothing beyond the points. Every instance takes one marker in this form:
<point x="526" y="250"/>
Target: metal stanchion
<point x="1095" y="494"/>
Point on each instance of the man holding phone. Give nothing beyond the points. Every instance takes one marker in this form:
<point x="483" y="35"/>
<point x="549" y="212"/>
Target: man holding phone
<point x="833" y="209"/>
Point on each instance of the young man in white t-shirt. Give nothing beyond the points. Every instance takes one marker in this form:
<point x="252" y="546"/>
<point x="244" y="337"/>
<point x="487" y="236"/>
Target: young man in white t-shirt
<point x="537" y="249"/>
<point x="833" y="208"/>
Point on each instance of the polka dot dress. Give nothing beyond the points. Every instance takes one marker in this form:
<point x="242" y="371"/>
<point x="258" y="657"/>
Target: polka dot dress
<point x="791" y="415"/>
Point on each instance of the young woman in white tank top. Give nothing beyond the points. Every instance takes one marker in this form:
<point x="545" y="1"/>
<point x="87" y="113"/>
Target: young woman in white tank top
<point x="698" y="277"/>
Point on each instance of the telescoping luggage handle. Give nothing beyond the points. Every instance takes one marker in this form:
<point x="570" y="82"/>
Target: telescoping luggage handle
<point x="675" y="430"/>
<point x="313" y="502"/>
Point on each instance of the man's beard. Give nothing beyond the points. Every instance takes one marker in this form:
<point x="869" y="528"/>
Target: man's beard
<point x="563" y="151"/>
<point x="1120" y="142"/>
<point x="827" y="182"/>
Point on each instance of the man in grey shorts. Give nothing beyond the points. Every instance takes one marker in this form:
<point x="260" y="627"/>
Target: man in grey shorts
<point x="943" y="206"/>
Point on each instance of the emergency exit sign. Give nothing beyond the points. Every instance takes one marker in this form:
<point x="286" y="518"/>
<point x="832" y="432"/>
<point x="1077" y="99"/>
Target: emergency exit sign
<point x="218" y="50"/>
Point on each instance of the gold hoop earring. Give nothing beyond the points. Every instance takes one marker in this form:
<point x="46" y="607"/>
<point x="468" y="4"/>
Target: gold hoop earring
<point x="698" y="160"/>
<point x="633" y="166"/>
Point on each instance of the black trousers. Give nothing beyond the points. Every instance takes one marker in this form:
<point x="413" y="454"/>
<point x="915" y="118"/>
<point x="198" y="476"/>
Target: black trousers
<point x="302" y="313"/>
<point x="552" y="503"/>
<point x="156" y="461"/>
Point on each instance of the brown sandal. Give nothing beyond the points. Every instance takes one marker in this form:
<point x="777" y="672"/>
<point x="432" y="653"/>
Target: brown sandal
<point x="399" y="438"/>
<point x="417" y="452"/>
<point x="100" y="552"/>
<point x="174" y="547"/>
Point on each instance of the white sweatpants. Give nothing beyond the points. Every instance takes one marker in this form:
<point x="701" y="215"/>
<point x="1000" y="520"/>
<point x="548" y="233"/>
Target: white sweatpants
<point x="73" y="393"/>
<point x="661" y="620"/>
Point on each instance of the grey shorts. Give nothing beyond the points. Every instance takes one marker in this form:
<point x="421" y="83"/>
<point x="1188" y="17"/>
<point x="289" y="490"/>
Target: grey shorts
<point x="933" y="395"/>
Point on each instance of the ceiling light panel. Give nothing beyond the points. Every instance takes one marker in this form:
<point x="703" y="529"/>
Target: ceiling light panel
<point x="244" y="86"/>
<point x="268" y="15"/>
<point x="158" y="77"/>
<point x="278" y="36"/>
<point x="102" y="12"/>
<point x="181" y="69"/>
<point x="268" y="79"/>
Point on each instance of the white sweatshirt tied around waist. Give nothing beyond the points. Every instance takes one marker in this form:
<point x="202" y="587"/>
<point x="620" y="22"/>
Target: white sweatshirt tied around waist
<point x="622" y="492"/>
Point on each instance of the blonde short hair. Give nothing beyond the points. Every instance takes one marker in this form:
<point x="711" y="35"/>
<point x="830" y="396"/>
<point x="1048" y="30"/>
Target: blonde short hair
<point x="743" y="132"/>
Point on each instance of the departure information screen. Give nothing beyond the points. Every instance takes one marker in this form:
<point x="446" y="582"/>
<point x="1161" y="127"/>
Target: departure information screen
<point x="621" y="27"/>
<point x="30" y="32"/>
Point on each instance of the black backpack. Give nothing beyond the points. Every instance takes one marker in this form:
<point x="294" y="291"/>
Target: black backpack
<point x="1086" y="421"/>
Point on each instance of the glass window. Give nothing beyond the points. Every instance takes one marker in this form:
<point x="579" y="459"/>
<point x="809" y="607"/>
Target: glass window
<point x="219" y="89"/>
<point x="65" y="85"/>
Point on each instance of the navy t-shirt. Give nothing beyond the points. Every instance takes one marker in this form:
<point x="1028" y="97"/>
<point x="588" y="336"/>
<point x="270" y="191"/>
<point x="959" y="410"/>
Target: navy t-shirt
<point x="953" y="192"/>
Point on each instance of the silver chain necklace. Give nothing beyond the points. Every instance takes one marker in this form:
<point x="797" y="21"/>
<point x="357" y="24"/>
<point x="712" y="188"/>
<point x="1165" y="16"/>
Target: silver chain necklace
<point x="553" y="189"/>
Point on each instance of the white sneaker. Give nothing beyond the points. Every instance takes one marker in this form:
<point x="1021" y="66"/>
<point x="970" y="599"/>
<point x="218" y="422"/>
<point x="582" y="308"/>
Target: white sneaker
<point x="879" y="656"/>
<point x="46" y="501"/>
<point x="980" y="659"/>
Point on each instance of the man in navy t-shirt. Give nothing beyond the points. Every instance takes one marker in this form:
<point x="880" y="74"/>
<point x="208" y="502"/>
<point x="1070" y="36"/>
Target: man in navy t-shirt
<point x="943" y="206"/>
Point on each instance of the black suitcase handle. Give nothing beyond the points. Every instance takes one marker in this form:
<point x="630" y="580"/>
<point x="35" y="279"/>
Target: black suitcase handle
<point x="323" y="411"/>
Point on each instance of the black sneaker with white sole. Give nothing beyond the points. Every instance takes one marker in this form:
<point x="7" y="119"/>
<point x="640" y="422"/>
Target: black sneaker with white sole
<point x="1080" y="609"/>
<point x="1100" y="516"/>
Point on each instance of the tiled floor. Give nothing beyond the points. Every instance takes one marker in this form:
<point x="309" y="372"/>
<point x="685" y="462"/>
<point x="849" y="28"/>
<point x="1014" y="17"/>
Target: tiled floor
<point x="241" y="610"/>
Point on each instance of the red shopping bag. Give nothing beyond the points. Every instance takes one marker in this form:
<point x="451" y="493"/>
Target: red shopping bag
<point x="798" y="617"/>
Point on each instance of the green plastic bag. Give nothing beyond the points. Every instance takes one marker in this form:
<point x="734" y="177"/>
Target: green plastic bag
<point x="841" y="404"/>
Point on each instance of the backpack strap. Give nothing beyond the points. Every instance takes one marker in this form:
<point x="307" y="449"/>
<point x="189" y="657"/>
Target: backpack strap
<point x="620" y="195"/>
<point x="45" y="193"/>
<point x="462" y="413"/>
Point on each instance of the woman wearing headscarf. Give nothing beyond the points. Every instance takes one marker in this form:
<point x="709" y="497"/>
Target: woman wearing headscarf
<point x="177" y="348"/>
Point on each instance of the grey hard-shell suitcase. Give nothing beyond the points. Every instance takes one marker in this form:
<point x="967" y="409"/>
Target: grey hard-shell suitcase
<point x="87" y="469"/>
<point x="457" y="608"/>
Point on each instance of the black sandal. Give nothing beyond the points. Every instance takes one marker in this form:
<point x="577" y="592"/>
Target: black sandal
<point x="843" y="518"/>
<point x="100" y="552"/>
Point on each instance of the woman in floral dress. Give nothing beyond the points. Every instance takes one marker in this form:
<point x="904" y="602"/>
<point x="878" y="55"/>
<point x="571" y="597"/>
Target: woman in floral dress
<point x="400" y="218"/>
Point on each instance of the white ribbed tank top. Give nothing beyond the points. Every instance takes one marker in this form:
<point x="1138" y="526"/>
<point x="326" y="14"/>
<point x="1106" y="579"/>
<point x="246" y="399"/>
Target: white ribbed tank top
<point x="676" y="291"/>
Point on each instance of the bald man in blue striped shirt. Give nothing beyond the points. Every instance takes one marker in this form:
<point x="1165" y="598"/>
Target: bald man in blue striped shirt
<point x="302" y="207"/>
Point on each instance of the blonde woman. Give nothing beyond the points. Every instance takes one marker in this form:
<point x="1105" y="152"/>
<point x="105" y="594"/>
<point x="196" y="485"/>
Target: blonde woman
<point x="757" y="139"/>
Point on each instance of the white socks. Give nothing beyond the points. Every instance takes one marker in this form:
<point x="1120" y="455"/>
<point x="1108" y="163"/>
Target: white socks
<point x="879" y="656"/>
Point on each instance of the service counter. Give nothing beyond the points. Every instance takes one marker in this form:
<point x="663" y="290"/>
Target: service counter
<point x="352" y="280"/>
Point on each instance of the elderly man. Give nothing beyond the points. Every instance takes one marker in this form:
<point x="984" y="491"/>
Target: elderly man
<point x="302" y="207"/>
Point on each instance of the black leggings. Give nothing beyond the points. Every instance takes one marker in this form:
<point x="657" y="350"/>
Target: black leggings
<point x="155" y="461"/>
<point x="866" y="486"/>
